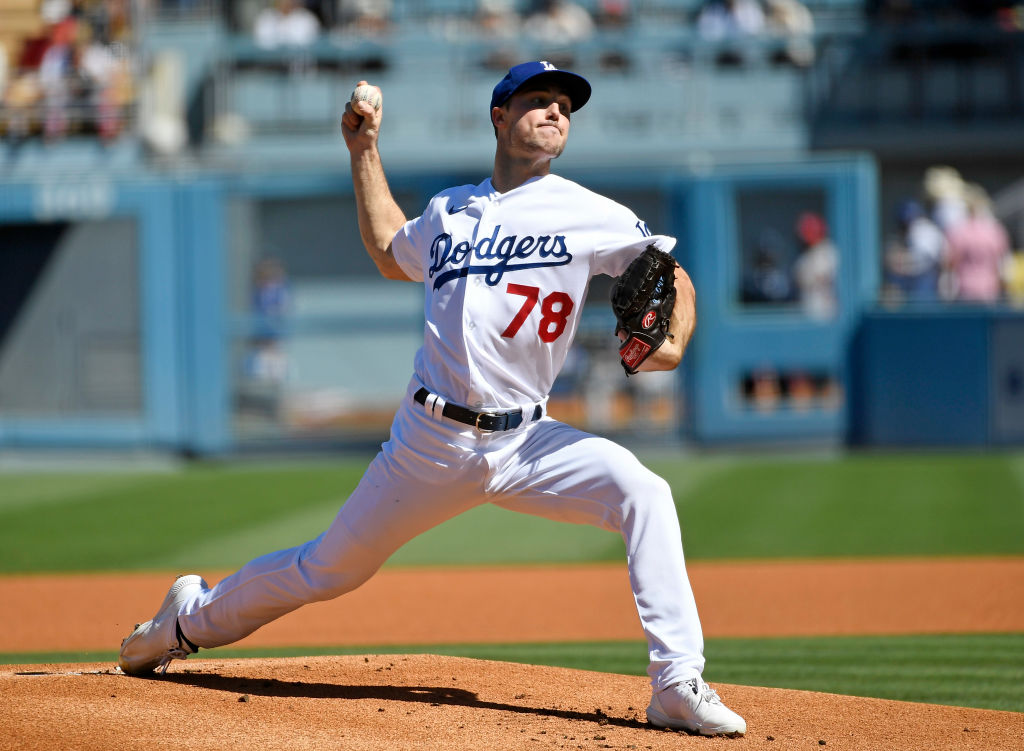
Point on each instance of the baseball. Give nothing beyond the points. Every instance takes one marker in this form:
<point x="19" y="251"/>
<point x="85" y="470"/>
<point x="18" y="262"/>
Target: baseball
<point x="366" y="93"/>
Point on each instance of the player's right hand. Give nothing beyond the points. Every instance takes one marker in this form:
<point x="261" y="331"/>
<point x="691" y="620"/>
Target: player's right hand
<point x="360" y="127"/>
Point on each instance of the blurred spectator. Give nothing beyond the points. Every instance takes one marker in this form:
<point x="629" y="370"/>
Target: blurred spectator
<point x="55" y="79"/>
<point x="762" y="389"/>
<point x="105" y="82"/>
<point x="287" y="23"/>
<point x="271" y="304"/>
<point x="726" y="19"/>
<point x="815" y="268"/>
<point x="913" y="259"/>
<point x="162" y="104"/>
<point x="1011" y="18"/>
<point x="801" y="391"/>
<point x="613" y="14"/>
<point x="20" y="99"/>
<point x="732" y="22"/>
<point x="765" y="280"/>
<point x="5" y="66"/>
<point x="498" y="22"/>
<point x="945" y="191"/>
<point x="792" y="20"/>
<point x="978" y="248"/>
<point x="559" y="22"/>
<point x="1013" y="278"/>
<point x="365" y="16"/>
<point x="110" y="20"/>
<point x="497" y="19"/>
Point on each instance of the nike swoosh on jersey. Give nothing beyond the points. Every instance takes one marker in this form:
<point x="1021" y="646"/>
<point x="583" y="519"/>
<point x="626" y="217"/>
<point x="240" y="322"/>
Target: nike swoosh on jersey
<point x="457" y="209"/>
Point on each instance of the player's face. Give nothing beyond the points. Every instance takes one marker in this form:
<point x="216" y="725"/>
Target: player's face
<point x="535" y="121"/>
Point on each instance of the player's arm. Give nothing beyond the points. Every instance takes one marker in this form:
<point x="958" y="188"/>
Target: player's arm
<point x="681" y="327"/>
<point x="379" y="215"/>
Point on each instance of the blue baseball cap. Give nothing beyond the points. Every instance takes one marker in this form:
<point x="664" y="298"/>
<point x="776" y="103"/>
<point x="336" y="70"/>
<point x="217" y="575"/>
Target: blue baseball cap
<point x="575" y="86"/>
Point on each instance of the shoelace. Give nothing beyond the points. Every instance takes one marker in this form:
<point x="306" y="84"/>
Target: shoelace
<point x="700" y="687"/>
<point x="175" y="653"/>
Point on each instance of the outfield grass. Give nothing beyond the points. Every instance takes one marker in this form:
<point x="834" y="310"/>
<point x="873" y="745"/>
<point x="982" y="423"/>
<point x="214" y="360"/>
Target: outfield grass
<point x="977" y="670"/>
<point x="942" y="504"/>
<point x="215" y="517"/>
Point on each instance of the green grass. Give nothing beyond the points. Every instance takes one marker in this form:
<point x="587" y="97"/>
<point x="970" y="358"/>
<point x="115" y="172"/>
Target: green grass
<point x="214" y="517"/>
<point x="977" y="670"/>
<point x="156" y="520"/>
<point x="217" y="517"/>
<point x="858" y="505"/>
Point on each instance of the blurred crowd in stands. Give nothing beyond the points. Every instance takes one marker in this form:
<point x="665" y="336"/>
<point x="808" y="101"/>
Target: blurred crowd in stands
<point x="565" y="21"/>
<point x="948" y="245"/>
<point x="556" y="23"/>
<point x="72" y="71"/>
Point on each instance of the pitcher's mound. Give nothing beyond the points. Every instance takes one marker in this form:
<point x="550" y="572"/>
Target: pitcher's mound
<point x="390" y="702"/>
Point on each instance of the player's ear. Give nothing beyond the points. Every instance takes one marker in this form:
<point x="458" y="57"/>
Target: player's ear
<point x="498" y="116"/>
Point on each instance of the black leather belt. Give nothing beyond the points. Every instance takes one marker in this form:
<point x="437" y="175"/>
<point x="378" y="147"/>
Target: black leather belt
<point x="489" y="421"/>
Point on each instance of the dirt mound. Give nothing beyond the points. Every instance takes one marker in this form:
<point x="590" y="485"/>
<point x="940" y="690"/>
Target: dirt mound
<point x="429" y="702"/>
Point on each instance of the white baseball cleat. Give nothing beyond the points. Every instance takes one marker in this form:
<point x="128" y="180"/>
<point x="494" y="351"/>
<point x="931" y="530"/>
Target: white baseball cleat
<point x="694" y="706"/>
<point x="155" y="643"/>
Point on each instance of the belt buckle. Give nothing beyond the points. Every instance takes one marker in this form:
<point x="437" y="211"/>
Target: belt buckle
<point x="476" y="423"/>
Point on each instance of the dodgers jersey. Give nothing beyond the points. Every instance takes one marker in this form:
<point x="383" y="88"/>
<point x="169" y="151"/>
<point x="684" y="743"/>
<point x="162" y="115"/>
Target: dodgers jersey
<point x="506" y="275"/>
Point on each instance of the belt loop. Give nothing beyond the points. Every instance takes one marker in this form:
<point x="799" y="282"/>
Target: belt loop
<point x="439" y="405"/>
<point x="428" y="405"/>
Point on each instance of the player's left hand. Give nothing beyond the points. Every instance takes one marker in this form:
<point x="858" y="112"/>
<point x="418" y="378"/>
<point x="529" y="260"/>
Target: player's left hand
<point x="643" y="300"/>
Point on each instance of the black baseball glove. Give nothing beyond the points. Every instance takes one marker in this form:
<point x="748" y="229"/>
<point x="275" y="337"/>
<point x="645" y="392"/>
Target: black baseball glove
<point x="642" y="300"/>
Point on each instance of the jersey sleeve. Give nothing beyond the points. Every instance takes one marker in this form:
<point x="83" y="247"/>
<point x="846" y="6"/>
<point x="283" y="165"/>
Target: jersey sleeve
<point x="405" y="247"/>
<point x="411" y="244"/>
<point x="622" y="238"/>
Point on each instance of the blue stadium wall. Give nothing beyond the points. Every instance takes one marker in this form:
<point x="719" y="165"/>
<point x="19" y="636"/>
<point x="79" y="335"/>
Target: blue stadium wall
<point x="154" y="370"/>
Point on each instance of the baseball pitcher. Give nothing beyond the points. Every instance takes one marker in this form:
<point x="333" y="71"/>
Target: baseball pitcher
<point x="505" y="266"/>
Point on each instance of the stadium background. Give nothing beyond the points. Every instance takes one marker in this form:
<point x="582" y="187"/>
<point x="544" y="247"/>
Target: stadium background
<point x="131" y="253"/>
<point x="140" y="371"/>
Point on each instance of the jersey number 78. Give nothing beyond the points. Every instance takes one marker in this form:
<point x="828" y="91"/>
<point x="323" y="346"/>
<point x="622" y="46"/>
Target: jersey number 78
<point x="555" y="310"/>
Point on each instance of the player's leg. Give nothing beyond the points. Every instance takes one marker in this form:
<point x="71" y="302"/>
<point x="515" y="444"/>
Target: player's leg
<point x="403" y="493"/>
<point x="564" y="474"/>
<point x="336" y="562"/>
<point x="421" y="478"/>
<point x="568" y="475"/>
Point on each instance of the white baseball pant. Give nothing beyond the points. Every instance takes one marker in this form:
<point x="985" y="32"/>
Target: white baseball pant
<point x="433" y="469"/>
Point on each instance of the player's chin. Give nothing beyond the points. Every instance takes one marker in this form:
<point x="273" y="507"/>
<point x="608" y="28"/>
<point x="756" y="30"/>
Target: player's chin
<point x="553" y="147"/>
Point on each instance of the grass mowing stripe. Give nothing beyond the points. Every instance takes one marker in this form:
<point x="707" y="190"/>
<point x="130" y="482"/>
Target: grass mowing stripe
<point x="975" y="670"/>
<point x="37" y="490"/>
<point x="230" y="550"/>
<point x="853" y="505"/>
<point x="972" y="670"/>
<point x="749" y="507"/>
<point x="129" y="527"/>
<point x="492" y="535"/>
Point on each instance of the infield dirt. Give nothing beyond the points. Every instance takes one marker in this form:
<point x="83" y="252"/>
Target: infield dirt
<point x="430" y="702"/>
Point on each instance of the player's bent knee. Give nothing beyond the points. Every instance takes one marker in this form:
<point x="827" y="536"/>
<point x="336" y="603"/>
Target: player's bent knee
<point x="650" y="494"/>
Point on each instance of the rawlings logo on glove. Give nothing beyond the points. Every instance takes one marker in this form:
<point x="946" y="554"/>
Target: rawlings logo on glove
<point x="643" y="299"/>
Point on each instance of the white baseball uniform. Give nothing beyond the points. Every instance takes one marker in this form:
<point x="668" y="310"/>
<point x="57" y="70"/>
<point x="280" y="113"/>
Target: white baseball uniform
<point x="505" y="276"/>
